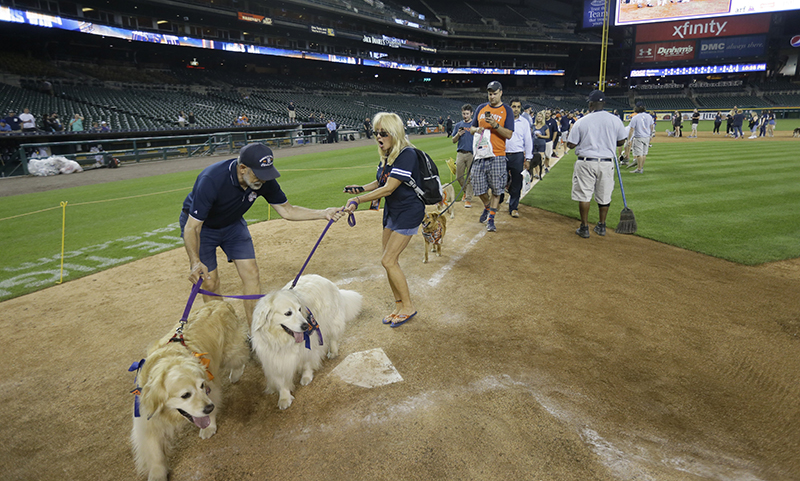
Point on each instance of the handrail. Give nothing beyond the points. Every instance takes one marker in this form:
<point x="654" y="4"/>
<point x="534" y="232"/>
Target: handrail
<point x="162" y="148"/>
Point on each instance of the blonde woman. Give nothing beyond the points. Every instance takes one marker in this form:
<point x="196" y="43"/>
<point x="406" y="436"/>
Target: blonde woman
<point x="403" y="210"/>
<point x="541" y="133"/>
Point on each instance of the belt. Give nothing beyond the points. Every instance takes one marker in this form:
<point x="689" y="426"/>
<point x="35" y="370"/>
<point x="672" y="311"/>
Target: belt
<point x="464" y="151"/>
<point x="591" y="159"/>
<point x="514" y="153"/>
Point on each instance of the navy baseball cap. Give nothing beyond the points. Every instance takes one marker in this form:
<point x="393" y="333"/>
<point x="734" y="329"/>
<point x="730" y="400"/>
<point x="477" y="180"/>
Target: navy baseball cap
<point x="597" y="96"/>
<point x="494" y="85"/>
<point x="259" y="158"/>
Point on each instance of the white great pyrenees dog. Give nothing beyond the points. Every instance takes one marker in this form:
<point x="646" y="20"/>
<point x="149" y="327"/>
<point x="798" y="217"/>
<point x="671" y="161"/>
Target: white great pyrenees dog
<point x="181" y="381"/>
<point x="281" y="323"/>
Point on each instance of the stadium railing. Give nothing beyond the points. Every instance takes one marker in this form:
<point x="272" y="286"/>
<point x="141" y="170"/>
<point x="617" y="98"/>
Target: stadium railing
<point x="141" y="149"/>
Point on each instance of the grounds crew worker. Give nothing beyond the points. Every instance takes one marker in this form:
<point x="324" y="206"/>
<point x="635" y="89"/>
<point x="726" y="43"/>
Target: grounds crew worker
<point x="595" y="138"/>
<point x="213" y="213"/>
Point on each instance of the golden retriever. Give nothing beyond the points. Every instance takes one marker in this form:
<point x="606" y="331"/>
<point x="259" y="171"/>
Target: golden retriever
<point x="281" y="331"/>
<point x="177" y="381"/>
<point x="434" y="226"/>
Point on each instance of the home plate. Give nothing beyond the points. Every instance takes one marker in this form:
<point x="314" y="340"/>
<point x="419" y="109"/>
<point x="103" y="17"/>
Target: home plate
<point x="367" y="369"/>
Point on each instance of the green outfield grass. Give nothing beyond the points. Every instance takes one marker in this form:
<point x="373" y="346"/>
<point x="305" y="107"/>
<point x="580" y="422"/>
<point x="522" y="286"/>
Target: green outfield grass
<point x="737" y="200"/>
<point x="118" y="222"/>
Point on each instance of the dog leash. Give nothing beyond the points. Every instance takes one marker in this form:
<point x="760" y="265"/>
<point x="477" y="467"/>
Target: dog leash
<point x="469" y="178"/>
<point x="351" y="221"/>
<point x="312" y="322"/>
<point x="178" y="337"/>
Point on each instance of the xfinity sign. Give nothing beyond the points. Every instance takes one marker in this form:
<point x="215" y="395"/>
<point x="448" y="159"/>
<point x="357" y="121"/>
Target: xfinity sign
<point x="705" y="29"/>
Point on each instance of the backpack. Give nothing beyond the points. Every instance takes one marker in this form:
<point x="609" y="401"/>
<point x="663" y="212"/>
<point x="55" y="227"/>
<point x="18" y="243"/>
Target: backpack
<point x="430" y="192"/>
<point x="113" y="163"/>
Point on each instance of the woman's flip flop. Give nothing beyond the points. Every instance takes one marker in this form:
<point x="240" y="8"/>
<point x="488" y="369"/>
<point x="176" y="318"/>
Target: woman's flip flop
<point x="399" y="320"/>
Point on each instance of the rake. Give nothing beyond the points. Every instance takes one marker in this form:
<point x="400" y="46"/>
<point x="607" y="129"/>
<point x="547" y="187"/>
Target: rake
<point x="627" y="222"/>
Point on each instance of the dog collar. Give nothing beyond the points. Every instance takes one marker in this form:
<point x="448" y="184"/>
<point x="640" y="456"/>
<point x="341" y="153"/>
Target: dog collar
<point x="312" y="326"/>
<point x="137" y="391"/>
<point x="434" y="237"/>
<point x="205" y="362"/>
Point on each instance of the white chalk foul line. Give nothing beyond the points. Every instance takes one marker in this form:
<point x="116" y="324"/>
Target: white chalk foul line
<point x="439" y="275"/>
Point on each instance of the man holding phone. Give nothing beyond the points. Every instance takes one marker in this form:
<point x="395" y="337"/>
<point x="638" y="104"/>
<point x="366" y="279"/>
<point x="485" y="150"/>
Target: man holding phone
<point x="490" y="172"/>
<point x="463" y="137"/>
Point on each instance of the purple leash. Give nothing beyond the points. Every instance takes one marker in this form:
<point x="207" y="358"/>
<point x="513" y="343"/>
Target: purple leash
<point x="178" y="337"/>
<point x="351" y="221"/>
<point x="195" y="290"/>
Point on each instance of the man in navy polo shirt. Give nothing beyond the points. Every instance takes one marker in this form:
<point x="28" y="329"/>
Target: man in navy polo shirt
<point x="213" y="213"/>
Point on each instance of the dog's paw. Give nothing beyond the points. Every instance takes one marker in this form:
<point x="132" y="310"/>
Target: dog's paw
<point x="236" y="374"/>
<point x="285" y="402"/>
<point x="158" y="474"/>
<point x="206" y="433"/>
<point x="333" y="349"/>
<point x="306" y="379"/>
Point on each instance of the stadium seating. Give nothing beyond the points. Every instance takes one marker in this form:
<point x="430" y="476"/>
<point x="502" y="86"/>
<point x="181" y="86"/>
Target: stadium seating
<point x="726" y="102"/>
<point x="784" y="100"/>
<point x="217" y="98"/>
<point x="661" y="102"/>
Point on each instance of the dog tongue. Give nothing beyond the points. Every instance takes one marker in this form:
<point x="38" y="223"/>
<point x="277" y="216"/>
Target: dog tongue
<point x="203" y="422"/>
<point x="298" y="337"/>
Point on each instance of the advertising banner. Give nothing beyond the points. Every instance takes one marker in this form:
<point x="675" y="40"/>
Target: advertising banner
<point x="748" y="46"/>
<point x="252" y="17"/>
<point x="593" y="13"/>
<point x="322" y="30"/>
<point x="629" y="12"/>
<point x="48" y="21"/>
<point x="704" y="28"/>
<point x="664" y="52"/>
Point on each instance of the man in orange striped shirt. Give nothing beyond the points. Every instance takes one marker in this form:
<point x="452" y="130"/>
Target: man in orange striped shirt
<point x="489" y="167"/>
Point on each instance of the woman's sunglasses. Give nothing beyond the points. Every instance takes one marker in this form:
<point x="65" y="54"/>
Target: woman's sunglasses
<point x="382" y="133"/>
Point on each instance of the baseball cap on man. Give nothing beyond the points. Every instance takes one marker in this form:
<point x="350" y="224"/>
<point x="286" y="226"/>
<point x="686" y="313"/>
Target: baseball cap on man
<point x="597" y="96"/>
<point x="494" y="85"/>
<point x="259" y="158"/>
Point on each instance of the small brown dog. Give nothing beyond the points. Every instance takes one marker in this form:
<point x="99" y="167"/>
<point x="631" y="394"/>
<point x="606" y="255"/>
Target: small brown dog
<point x="796" y="132"/>
<point x="434" y="227"/>
<point x="449" y="195"/>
